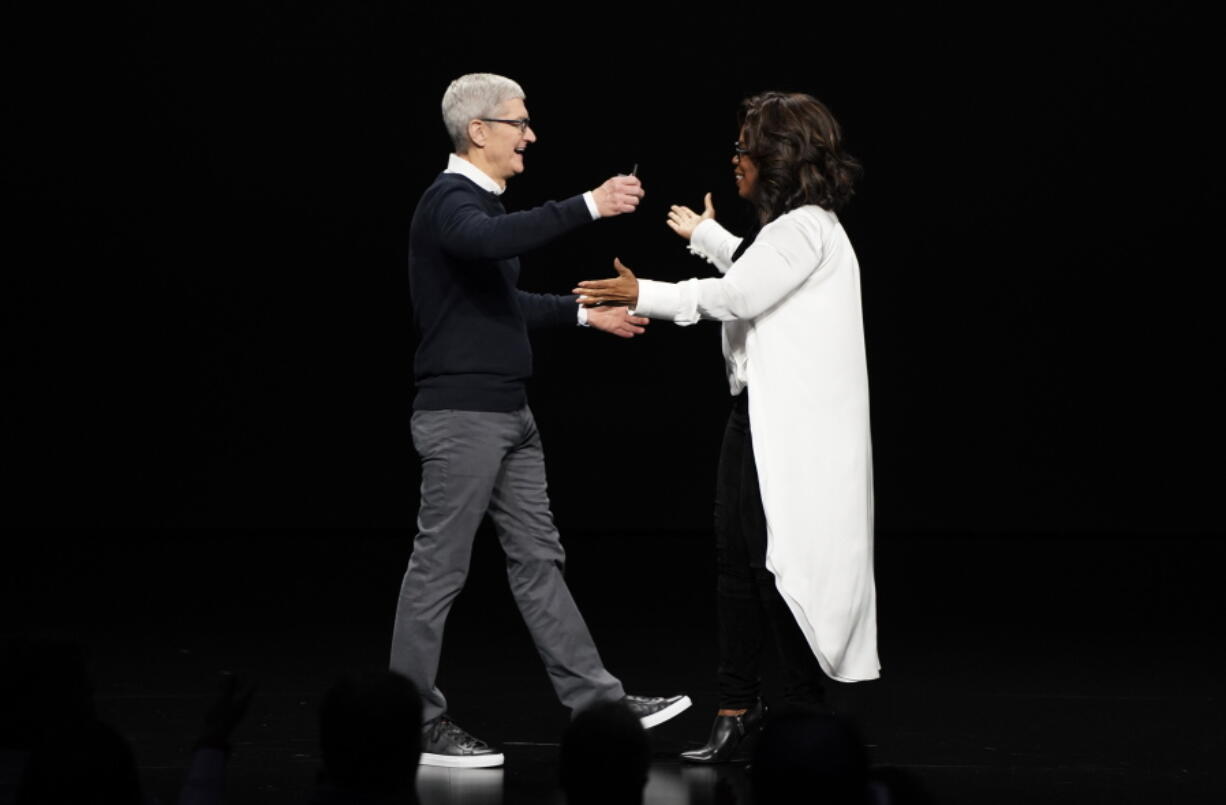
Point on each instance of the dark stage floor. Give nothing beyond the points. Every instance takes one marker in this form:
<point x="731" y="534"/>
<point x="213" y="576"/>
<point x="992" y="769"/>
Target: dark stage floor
<point x="1016" y="670"/>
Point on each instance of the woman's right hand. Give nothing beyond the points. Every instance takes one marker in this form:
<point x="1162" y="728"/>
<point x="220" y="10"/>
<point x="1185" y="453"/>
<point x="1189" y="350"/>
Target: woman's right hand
<point x="683" y="220"/>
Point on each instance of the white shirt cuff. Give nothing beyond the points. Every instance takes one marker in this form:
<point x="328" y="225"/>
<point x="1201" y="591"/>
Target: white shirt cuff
<point x="590" y="200"/>
<point x="583" y="322"/>
<point x="657" y="300"/>
<point x="713" y="243"/>
<point x="698" y="237"/>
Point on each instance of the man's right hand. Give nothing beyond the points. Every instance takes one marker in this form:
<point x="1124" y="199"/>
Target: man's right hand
<point x="618" y="195"/>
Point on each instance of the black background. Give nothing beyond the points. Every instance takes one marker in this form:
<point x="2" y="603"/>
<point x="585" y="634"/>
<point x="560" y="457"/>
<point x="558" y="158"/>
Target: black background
<point x="209" y="313"/>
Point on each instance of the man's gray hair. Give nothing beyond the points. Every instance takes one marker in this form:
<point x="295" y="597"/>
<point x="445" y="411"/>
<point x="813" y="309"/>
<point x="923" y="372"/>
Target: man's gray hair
<point x="474" y="96"/>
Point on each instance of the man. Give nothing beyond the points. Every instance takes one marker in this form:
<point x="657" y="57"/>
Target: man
<point x="479" y="446"/>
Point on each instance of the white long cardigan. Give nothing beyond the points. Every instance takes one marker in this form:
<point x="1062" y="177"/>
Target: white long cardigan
<point x="793" y="332"/>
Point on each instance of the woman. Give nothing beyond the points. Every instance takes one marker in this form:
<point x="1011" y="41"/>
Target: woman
<point x="793" y="511"/>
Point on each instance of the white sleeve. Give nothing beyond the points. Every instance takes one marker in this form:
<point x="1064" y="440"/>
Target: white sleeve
<point x="713" y="243"/>
<point x="592" y="209"/>
<point x="785" y="254"/>
<point x="662" y="300"/>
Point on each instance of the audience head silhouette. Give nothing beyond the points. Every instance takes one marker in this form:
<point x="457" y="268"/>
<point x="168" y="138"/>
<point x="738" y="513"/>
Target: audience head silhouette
<point x="48" y="715"/>
<point x="370" y="735"/>
<point x="605" y="757"/>
<point x="813" y="753"/>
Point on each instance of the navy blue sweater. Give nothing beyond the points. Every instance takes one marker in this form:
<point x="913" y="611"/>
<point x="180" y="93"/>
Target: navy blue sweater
<point x="472" y="322"/>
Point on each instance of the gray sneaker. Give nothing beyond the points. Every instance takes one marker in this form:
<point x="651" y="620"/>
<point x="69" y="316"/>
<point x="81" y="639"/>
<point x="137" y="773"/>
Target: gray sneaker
<point x="655" y="710"/>
<point x="443" y="743"/>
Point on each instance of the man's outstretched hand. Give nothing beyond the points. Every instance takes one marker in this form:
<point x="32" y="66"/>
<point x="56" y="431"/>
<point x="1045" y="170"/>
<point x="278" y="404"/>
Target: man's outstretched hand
<point x="618" y="195"/>
<point x="616" y="320"/>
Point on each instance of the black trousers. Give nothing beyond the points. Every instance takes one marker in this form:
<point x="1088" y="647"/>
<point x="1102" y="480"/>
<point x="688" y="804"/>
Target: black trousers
<point x="749" y="603"/>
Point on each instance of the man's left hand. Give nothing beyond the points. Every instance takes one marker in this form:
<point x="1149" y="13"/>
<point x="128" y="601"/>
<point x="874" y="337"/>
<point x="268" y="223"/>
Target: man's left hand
<point x="616" y="320"/>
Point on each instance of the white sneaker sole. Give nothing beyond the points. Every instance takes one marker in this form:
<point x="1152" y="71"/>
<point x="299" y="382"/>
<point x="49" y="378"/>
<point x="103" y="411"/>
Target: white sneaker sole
<point x="462" y="761"/>
<point x="660" y="716"/>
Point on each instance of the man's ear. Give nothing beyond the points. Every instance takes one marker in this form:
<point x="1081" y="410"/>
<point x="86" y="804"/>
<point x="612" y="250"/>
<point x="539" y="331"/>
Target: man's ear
<point x="476" y="133"/>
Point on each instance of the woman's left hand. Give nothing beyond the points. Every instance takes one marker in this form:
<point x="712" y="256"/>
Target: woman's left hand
<point x="624" y="290"/>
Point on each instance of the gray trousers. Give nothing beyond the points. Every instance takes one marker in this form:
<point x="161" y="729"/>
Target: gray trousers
<point x="473" y="462"/>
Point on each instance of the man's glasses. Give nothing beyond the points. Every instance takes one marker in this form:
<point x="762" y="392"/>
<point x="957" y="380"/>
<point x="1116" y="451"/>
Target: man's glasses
<point x="521" y="123"/>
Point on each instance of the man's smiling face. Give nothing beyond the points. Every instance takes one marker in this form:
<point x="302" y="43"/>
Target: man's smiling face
<point x="505" y="143"/>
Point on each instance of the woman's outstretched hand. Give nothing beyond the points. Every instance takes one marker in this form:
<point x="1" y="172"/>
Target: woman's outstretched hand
<point x="622" y="290"/>
<point x="683" y="220"/>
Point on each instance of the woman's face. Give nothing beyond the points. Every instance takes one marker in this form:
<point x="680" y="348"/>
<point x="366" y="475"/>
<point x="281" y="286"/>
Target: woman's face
<point x="744" y="170"/>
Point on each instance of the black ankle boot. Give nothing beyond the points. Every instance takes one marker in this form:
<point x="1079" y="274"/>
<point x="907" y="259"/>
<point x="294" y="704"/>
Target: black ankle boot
<point x="732" y="738"/>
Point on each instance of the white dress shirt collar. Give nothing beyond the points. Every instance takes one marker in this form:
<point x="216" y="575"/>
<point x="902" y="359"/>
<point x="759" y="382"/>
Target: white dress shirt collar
<point x="460" y="165"/>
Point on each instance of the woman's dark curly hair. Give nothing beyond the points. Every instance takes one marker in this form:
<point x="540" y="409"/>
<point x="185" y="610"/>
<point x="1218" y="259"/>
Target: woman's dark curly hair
<point x="797" y="147"/>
